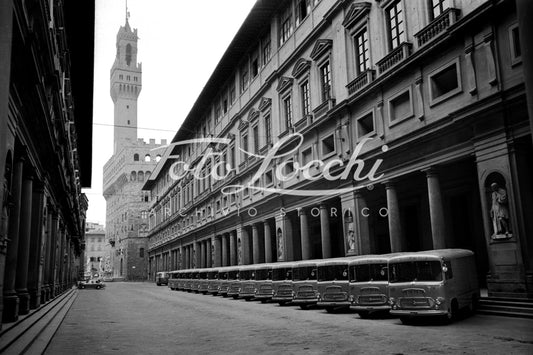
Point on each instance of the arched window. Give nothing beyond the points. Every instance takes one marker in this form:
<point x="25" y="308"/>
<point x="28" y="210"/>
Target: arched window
<point x="133" y="176"/>
<point x="128" y="54"/>
<point x="147" y="158"/>
<point x="147" y="175"/>
<point x="140" y="176"/>
<point x="135" y="157"/>
<point x="158" y="158"/>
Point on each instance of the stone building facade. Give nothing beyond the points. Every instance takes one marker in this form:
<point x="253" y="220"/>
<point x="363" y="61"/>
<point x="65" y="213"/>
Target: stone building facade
<point x="46" y="91"/>
<point x="370" y="126"/>
<point x="96" y="253"/>
<point x="131" y="164"/>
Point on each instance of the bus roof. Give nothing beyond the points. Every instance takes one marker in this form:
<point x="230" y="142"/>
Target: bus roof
<point x="437" y="254"/>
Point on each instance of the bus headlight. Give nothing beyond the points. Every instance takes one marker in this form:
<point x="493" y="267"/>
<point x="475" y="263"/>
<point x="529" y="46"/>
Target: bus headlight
<point x="392" y="301"/>
<point x="439" y="300"/>
<point x="352" y="299"/>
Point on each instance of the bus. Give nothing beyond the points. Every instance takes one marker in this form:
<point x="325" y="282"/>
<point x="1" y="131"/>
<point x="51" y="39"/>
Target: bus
<point x="282" y="282"/>
<point x="263" y="282"/>
<point x="333" y="284"/>
<point x="433" y="283"/>
<point x="305" y="277"/>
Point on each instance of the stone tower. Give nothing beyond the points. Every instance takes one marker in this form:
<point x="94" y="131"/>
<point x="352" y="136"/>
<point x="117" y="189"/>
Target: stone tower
<point x="126" y="84"/>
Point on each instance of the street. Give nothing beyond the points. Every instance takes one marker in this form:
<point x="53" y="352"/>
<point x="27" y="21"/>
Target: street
<point x="142" y="318"/>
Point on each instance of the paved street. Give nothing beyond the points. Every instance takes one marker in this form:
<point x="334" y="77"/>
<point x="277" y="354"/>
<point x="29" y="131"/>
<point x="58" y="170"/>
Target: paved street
<point x="141" y="318"/>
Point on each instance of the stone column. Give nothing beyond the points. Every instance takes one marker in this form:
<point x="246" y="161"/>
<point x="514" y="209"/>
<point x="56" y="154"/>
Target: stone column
<point x="255" y="245"/>
<point x="11" y="300"/>
<point x="209" y="255"/>
<point x="6" y="35"/>
<point x="21" y="284"/>
<point x="245" y="246"/>
<point x="324" y="232"/>
<point x="525" y="13"/>
<point x="224" y="239"/>
<point x="436" y="211"/>
<point x="197" y="255"/>
<point x="203" y="261"/>
<point x="304" y="233"/>
<point x="361" y="215"/>
<point x="232" y="248"/>
<point x="395" y="228"/>
<point x="47" y="253"/>
<point x="268" y="242"/>
<point x="59" y="258"/>
<point x="218" y="249"/>
<point x="182" y="258"/>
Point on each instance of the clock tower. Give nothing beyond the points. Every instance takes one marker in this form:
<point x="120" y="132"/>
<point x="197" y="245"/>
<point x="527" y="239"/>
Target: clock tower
<point x="126" y="84"/>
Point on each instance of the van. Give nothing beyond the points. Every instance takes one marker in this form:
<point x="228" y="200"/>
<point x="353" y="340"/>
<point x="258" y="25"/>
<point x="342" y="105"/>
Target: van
<point x="333" y="284"/>
<point x="263" y="282"/>
<point x="282" y="282"/>
<point x="369" y="281"/>
<point x="433" y="283"/>
<point x="161" y="278"/>
<point x="304" y="281"/>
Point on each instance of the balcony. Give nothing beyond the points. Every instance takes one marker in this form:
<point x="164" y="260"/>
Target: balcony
<point x="361" y="81"/>
<point x="396" y="56"/>
<point x="437" y="26"/>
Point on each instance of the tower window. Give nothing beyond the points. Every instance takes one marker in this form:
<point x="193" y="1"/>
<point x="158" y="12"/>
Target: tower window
<point x="128" y="122"/>
<point x="128" y="106"/>
<point x="128" y="54"/>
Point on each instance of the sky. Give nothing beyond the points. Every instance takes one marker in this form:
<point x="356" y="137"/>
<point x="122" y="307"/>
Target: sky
<point x="180" y="44"/>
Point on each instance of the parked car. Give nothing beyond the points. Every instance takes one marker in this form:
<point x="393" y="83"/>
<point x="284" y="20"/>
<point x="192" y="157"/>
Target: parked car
<point x="97" y="284"/>
<point x="161" y="278"/>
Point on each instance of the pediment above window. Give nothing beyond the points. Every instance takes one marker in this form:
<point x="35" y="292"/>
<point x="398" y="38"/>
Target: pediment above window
<point x="252" y="116"/>
<point x="284" y="83"/>
<point x="230" y="136"/>
<point x="322" y="46"/>
<point x="243" y="125"/>
<point x="264" y="103"/>
<point x="301" y="67"/>
<point x="356" y="12"/>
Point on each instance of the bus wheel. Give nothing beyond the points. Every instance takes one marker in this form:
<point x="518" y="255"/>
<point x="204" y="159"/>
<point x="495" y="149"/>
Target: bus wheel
<point x="235" y="296"/>
<point x="452" y="313"/>
<point x="364" y="314"/>
<point x="475" y="304"/>
<point x="330" y="309"/>
<point x="264" y="301"/>
<point x="406" y="320"/>
<point x="304" y="306"/>
<point x="282" y="303"/>
<point x="158" y="284"/>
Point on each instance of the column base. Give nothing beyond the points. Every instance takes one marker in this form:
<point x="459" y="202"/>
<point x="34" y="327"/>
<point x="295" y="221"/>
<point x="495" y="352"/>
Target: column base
<point x="11" y="308"/>
<point x="24" y="301"/>
<point x="35" y="298"/>
<point x="509" y="288"/>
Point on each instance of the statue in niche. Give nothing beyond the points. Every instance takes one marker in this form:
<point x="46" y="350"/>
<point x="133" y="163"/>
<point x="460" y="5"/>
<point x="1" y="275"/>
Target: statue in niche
<point x="499" y="212"/>
<point x="239" y="252"/>
<point x="280" y="244"/>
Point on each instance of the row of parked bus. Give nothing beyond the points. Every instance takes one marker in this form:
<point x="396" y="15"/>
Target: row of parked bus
<point x="428" y="283"/>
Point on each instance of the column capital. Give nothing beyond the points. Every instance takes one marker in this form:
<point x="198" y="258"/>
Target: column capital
<point x="389" y="184"/>
<point x="431" y="171"/>
<point x="323" y="206"/>
<point x="302" y="211"/>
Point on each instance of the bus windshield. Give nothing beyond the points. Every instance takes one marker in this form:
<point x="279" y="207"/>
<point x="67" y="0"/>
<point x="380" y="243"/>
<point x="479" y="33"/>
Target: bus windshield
<point x="233" y="275"/>
<point x="282" y="274"/>
<point x="212" y="275"/>
<point x="245" y="274"/>
<point x="304" y="273"/>
<point x="333" y="272"/>
<point x="368" y="272"/>
<point x="425" y="270"/>
<point x="263" y="274"/>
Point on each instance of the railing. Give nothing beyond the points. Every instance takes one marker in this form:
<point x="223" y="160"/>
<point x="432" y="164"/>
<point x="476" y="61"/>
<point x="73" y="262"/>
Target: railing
<point x="397" y="55"/>
<point x="361" y="81"/>
<point x="437" y="26"/>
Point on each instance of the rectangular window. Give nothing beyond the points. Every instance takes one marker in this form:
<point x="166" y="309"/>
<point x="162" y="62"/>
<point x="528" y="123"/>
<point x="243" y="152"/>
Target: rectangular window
<point x="218" y="112"/>
<point x="245" y="145"/>
<point x="396" y="24"/>
<point x="328" y="145"/>
<point x="225" y="105"/>
<point x="254" y="62"/>
<point x="444" y="83"/>
<point x="232" y="156"/>
<point x="304" y="95"/>
<point x="255" y="131"/>
<point x="141" y="252"/>
<point x="268" y="129"/>
<point x="232" y="93"/>
<point x="287" y="111"/>
<point x="303" y="7"/>
<point x="286" y="24"/>
<point x="265" y="48"/>
<point x="325" y="80"/>
<point x="514" y="42"/>
<point x="244" y="77"/>
<point x="362" y="51"/>
<point x="400" y="107"/>
<point x="307" y="155"/>
<point x="365" y="125"/>
<point x="439" y="6"/>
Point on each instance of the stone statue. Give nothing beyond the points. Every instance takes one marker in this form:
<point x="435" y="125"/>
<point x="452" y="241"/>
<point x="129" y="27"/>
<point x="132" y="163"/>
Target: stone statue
<point x="351" y="240"/>
<point x="280" y="244"/>
<point x="499" y="211"/>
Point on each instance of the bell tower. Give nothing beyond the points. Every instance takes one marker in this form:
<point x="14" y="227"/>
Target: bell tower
<point x="126" y="84"/>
